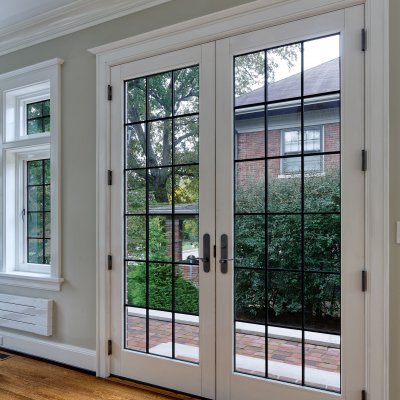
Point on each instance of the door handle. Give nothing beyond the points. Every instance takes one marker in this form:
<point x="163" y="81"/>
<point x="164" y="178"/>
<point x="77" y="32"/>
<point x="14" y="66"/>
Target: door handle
<point x="206" y="253"/>
<point x="224" y="254"/>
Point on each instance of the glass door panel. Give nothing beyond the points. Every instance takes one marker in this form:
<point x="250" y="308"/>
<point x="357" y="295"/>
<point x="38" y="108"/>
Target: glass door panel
<point x="286" y="207"/>
<point x="161" y="214"/>
<point x="160" y="287"/>
<point x="287" y="213"/>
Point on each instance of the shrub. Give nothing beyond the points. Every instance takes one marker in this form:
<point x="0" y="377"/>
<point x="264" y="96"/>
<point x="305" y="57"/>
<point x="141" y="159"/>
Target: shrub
<point x="284" y="247"/>
<point x="160" y="278"/>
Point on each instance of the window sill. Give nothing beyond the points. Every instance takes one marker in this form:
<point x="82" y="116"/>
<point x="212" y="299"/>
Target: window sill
<point x="31" y="280"/>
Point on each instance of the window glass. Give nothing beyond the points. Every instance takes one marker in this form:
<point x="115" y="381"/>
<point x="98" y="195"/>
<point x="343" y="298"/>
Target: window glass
<point x="38" y="117"/>
<point x="292" y="145"/>
<point x="38" y="211"/>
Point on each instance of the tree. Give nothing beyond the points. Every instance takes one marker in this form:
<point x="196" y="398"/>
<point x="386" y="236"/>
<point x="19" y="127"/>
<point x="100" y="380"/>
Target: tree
<point x="177" y="94"/>
<point x="167" y="94"/>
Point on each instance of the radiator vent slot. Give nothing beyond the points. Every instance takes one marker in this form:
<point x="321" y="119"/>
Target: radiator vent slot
<point x="26" y="314"/>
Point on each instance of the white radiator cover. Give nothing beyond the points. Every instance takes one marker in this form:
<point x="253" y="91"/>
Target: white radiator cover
<point x="26" y="314"/>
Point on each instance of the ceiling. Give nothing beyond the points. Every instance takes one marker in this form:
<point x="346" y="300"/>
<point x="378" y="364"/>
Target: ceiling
<point x="27" y="22"/>
<point x="17" y="11"/>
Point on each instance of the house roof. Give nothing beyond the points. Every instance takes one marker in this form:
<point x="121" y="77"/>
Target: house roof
<point x="323" y="78"/>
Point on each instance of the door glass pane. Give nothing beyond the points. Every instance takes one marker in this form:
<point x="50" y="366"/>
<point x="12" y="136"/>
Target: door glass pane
<point x="287" y="214"/>
<point x="161" y="214"/>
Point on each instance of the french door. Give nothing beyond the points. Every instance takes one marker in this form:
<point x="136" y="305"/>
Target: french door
<point x="237" y="214"/>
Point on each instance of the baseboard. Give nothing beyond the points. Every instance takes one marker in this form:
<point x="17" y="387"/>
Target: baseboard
<point x="74" y="356"/>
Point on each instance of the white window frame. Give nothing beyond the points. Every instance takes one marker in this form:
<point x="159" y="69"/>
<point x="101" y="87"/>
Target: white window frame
<point x="17" y="89"/>
<point x="22" y="264"/>
<point x="321" y="150"/>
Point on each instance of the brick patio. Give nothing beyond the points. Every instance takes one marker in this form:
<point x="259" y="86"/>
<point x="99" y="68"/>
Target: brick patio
<point x="250" y="350"/>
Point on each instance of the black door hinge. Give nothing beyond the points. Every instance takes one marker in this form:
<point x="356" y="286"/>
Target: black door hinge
<point x="109" y="262"/>
<point x="109" y="347"/>
<point x="364" y="162"/>
<point x="363" y="39"/>
<point x="109" y="92"/>
<point x="364" y="395"/>
<point x="215" y="251"/>
<point x="364" y="280"/>
<point x="109" y="177"/>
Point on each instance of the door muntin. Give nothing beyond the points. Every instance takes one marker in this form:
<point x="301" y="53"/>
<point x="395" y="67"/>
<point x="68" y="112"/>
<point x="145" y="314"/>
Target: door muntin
<point x="161" y="214"/>
<point x="287" y="213"/>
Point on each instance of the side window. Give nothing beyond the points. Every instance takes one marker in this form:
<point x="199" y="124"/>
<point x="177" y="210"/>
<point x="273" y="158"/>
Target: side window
<point x="30" y="200"/>
<point x="38" y="212"/>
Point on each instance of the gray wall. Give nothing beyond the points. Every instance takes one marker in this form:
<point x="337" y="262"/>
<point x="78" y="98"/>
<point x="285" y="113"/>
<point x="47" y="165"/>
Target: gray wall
<point x="76" y="303"/>
<point x="75" y="312"/>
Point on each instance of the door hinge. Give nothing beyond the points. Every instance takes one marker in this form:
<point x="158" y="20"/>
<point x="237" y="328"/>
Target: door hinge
<point x="363" y="39"/>
<point x="215" y="251"/>
<point x="364" y="280"/>
<point x="109" y="262"/>
<point x="364" y="162"/>
<point x="109" y="92"/>
<point x="109" y="347"/>
<point x="109" y="177"/>
<point x="364" y="395"/>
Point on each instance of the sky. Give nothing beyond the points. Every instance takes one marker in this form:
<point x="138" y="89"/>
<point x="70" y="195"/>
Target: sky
<point x="315" y="52"/>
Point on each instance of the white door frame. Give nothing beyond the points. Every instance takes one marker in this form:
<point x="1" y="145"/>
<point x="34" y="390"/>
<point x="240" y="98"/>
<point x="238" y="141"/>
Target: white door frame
<point x="185" y="377"/>
<point x="246" y="18"/>
<point x="348" y="23"/>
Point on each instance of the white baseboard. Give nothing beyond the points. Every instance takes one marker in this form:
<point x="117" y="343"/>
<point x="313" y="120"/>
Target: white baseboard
<point x="63" y="353"/>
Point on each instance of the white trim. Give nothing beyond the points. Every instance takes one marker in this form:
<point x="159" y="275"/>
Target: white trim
<point x="377" y="198"/>
<point x="249" y="17"/>
<point x="44" y="75"/>
<point x="31" y="68"/>
<point x="63" y="353"/>
<point x="73" y="17"/>
<point x="245" y="18"/>
<point x="31" y="280"/>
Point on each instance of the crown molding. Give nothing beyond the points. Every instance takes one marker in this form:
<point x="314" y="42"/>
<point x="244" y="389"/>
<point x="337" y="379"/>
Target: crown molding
<point x="73" y="17"/>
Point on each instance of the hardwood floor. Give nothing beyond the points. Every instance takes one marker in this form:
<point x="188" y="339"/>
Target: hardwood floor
<point x="28" y="379"/>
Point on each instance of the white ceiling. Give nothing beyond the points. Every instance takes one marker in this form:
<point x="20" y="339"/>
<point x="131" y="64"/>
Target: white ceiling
<point x="17" y="11"/>
<point x="27" y="22"/>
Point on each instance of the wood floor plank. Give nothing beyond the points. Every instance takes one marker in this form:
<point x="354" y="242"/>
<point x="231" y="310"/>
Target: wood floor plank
<point x="28" y="379"/>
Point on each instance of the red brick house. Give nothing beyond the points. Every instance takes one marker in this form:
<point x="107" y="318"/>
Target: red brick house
<point x="283" y="121"/>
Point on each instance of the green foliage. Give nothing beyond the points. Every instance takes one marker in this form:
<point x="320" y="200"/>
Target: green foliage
<point x="160" y="277"/>
<point x="321" y="250"/>
<point x="38" y="211"/>
<point x="250" y="71"/>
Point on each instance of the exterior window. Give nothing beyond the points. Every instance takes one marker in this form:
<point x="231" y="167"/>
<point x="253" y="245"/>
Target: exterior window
<point x="30" y="254"/>
<point x="291" y="145"/>
<point x="38" y="212"/>
<point x="38" y="117"/>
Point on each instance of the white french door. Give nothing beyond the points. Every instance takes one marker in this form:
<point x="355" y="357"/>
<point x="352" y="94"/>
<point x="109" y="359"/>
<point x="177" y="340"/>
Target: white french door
<point x="289" y="141"/>
<point x="162" y="204"/>
<point x="237" y="214"/>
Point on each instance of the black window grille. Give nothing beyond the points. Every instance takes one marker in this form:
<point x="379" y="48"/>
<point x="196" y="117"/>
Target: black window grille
<point x="38" y="212"/>
<point x="38" y="117"/>
<point x="161" y="212"/>
<point x="287" y="228"/>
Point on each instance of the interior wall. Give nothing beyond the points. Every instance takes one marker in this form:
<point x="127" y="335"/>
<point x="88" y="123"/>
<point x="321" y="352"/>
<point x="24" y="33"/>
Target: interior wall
<point x="394" y="88"/>
<point x="75" y="311"/>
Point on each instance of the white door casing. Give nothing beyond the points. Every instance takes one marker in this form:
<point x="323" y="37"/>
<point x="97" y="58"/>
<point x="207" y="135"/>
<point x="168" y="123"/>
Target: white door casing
<point x="237" y="20"/>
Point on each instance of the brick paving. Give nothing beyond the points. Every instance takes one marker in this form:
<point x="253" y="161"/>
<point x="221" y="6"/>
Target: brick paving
<point x="279" y="350"/>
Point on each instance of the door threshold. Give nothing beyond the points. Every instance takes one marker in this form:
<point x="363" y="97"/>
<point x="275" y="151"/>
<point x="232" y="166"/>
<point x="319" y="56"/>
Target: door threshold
<point x="173" y="394"/>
